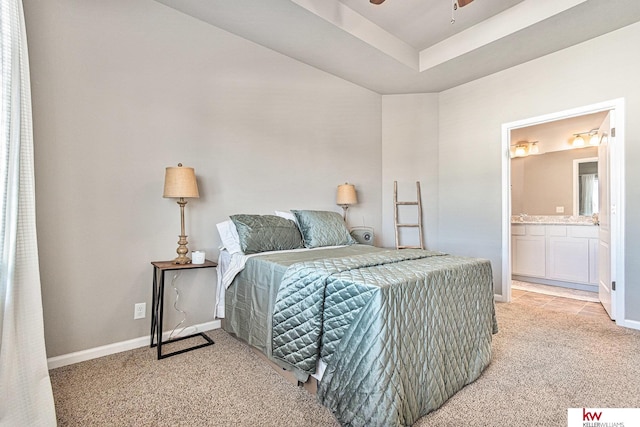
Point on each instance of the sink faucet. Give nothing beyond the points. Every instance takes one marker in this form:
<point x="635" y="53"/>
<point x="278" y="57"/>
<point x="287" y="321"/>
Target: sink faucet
<point x="522" y="216"/>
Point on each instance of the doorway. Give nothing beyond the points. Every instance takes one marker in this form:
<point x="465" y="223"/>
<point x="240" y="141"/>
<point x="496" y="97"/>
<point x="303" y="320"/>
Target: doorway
<point x="616" y="192"/>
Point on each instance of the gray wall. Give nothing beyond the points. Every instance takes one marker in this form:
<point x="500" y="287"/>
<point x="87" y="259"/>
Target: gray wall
<point x="470" y="153"/>
<point x="410" y="154"/>
<point x="122" y="89"/>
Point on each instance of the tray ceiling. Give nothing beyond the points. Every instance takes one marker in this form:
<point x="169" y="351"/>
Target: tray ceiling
<point x="411" y="46"/>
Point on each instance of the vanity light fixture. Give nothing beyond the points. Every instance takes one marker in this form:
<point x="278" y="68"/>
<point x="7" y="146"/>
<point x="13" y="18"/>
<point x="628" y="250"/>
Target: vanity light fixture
<point x="524" y="148"/>
<point x="578" y="140"/>
<point x="521" y="150"/>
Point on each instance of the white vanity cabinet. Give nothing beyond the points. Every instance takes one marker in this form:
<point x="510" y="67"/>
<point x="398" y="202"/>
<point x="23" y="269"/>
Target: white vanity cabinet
<point x="555" y="252"/>
<point x="528" y="245"/>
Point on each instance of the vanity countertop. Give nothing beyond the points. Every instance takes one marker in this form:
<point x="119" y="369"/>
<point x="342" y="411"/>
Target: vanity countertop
<point x="553" y="220"/>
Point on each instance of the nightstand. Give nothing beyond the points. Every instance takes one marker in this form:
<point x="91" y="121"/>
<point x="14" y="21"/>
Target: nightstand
<point x="157" y="306"/>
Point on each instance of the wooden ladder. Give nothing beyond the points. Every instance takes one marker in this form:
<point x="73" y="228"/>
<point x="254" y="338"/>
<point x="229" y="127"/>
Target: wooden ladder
<point x="398" y="225"/>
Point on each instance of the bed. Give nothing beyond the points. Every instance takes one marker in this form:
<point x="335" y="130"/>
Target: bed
<point x="390" y="334"/>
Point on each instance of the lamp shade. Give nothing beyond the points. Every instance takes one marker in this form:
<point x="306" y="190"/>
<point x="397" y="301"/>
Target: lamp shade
<point x="578" y="141"/>
<point x="346" y="195"/>
<point x="180" y="182"/>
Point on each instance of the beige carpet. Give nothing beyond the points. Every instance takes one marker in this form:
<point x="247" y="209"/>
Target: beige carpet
<point x="543" y="363"/>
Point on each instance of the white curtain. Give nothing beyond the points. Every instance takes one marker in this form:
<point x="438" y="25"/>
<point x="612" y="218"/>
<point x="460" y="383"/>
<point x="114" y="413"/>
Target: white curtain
<point x="25" y="389"/>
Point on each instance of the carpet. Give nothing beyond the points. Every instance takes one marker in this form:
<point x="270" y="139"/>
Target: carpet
<point x="543" y="363"/>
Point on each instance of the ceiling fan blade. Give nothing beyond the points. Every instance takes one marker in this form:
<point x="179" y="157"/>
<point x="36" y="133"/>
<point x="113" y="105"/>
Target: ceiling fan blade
<point x="376" y="1"/>
<point x="462" y="3"/>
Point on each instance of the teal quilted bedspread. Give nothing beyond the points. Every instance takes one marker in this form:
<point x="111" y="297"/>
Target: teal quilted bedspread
<point x="400" y="331"/>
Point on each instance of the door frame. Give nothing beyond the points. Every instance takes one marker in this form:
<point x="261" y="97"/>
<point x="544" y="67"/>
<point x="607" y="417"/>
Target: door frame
<point x="616" y="188"/>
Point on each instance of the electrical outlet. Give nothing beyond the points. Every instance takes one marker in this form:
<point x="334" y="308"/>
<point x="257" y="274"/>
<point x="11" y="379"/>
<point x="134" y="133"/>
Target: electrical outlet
<point x="140" y="310"/>
<point x="559" y="209"/>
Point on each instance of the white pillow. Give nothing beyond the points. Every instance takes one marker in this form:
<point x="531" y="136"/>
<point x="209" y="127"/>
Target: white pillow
<point x="287" y="215"/>
<point x="229" y="236"/>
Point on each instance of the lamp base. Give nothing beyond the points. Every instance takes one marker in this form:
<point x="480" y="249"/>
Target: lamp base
<point x="182" y="251"/>
<point x="344" y="214"/>
<point x="182" y="260"/>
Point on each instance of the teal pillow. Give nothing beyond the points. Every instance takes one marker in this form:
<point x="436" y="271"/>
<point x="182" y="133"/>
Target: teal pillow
<point x="262" y="233"/>
<point x="323" y="228"/>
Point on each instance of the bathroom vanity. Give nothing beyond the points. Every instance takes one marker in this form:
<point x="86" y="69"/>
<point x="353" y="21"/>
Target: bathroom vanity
<point x="553" y="250"/>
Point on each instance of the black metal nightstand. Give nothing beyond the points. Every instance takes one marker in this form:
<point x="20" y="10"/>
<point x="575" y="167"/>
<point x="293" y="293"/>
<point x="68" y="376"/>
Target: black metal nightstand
<point x="157" y="306"/>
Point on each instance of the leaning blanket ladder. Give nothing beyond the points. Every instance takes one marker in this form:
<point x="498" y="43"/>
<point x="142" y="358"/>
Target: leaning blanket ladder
<point x="398" y="225"/>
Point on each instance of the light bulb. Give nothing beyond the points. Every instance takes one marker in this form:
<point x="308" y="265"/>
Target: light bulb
<point x="520" y="151"/>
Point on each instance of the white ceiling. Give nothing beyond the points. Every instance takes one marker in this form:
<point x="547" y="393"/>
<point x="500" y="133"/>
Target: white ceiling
<point x="423" y="23"/>
<point x="411" y="46"/>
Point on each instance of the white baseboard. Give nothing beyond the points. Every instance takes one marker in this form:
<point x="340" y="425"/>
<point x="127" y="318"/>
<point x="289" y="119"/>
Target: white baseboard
<point x="105" y="350"/>
<point x="499" y="298"/>
<point x="632" y="324"/>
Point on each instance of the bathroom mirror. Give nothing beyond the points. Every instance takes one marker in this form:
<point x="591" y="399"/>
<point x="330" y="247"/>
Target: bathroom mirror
<point x="585" y="186"/>
<point x="544" y="184"/>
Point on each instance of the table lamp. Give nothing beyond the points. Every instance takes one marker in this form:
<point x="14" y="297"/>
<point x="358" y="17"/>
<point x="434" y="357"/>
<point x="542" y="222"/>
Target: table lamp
<point x="346" y="196"/>
<point x="180" y="182"/>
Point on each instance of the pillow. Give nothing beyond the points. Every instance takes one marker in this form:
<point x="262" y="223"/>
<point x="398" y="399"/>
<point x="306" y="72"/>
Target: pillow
<point x="323" y="228"/>
<point x="286" y="214"/>
<point x="262" y="233"/>
<point x="229" y="236"/>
